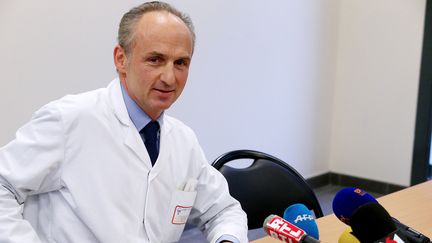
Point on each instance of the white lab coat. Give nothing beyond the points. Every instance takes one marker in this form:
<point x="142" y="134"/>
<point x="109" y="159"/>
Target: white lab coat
<point x="80" y="172"/>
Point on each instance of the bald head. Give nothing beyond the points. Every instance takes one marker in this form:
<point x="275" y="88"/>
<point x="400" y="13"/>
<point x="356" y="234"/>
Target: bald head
<point x="129" y="21"/>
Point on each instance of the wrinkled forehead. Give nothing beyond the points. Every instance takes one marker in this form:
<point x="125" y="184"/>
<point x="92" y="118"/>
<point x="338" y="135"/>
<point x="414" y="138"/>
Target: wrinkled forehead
<point x="163" y="26"/>
<point x="159" y="26"/>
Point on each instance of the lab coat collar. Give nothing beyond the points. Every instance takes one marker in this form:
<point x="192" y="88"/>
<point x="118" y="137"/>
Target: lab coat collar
<point x="117" y="103"/>
<point x="131" y="136"/>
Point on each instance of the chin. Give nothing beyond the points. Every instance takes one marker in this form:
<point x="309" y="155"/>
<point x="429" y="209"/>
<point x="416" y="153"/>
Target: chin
<point x="163" y="107"/>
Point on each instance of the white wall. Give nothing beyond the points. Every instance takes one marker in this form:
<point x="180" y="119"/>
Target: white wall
<point x="325" y="85"/>
<point x="261" y="78"/>
<point x="378" y="64"/>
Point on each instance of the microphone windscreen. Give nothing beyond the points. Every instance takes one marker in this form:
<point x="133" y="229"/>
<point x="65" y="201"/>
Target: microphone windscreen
<point x="348" y="237"/>
<point x="299" y="215"/>
<point x="371" y="222"/>
<point x="279" y="228"/>
<point x="347" y="200"/>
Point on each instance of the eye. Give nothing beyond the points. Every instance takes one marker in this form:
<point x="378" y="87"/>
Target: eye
<point x="155" y="59"/>
<point x="182" y="62"/>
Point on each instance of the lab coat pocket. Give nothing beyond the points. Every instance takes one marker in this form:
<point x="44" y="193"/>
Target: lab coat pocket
<point x="180" y="207"/>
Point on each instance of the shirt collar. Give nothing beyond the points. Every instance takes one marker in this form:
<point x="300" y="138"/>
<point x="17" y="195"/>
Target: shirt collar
<point x="136" y="114"/>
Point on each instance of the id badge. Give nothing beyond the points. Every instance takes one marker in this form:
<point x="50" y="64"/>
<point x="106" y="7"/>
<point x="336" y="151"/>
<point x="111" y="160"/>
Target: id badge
<point x="181" y="214"/>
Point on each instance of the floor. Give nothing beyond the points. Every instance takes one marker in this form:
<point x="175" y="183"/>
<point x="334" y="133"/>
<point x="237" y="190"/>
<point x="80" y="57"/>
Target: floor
<point x="325" y="196"/>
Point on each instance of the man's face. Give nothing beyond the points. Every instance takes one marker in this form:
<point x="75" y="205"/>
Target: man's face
<point x="156" y="69"/>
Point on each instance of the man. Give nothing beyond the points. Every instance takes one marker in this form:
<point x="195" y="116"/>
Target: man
<point x="88" y="168"/>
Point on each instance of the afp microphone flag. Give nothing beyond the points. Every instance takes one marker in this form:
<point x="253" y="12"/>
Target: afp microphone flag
<point x="299" y="215"/>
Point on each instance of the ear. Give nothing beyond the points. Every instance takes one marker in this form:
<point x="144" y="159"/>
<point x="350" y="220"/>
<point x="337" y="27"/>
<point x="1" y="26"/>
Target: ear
<point x="120" y="60"/>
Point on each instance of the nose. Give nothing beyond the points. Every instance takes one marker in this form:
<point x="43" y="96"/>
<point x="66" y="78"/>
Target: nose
<point x="168" y="75"/>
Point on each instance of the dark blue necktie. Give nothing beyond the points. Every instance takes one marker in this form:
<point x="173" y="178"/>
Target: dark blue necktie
<point x="150" y="132"/>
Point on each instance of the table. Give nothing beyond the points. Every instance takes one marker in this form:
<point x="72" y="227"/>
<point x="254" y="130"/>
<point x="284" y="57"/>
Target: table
<point x="412" y="206"/>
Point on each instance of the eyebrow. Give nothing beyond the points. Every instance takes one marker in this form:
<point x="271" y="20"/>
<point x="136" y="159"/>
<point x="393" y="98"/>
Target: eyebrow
<point x="155" y="53"/>
<point x="158" y="54"/>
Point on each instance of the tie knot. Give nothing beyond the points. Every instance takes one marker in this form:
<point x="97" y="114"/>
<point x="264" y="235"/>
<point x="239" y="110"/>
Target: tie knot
<point x="151" y="130"/>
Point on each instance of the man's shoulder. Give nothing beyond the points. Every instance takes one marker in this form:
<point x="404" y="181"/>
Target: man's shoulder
<point x="177" y="125"/>
<point x="178" y="131"/>
<point x="174" y="122"/>
<point x="85" y="100"/>
<point x="86" y="104"/>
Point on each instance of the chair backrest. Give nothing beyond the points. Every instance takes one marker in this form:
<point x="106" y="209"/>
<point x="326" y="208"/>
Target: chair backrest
<point x="268" y="186"/>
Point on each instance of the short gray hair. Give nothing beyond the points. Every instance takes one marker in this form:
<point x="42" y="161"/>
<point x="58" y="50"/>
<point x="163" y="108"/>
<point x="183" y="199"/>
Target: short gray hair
<point x="130" y="19"/>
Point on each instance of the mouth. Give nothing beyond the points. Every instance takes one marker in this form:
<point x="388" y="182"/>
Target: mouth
<point x="164" y="91"/>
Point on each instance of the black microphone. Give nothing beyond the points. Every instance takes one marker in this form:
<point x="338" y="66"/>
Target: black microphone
<point x="413" y="235"/>
<point x="371" y="223"/>
<point x="350" y="199"/>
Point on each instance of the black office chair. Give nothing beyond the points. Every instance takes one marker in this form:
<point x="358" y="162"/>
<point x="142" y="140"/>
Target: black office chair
<point x="268" y="186"/>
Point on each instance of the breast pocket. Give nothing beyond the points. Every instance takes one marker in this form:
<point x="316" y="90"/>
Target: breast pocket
<point x="181" y="205"/>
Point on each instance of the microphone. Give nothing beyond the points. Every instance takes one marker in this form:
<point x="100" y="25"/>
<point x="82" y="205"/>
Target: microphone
<point x="347" y="200"/>
<point x="278" y="228"/>
<point x="413" y="235"/>
<point x="299" y="215"/>
<point x="348" y="237"/>
<point x="372" y="223"/>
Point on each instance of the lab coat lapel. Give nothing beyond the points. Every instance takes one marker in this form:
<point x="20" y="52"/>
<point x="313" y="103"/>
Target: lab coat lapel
<point x="130" y="135"/>
<point x="135" y="143"/>
<point x="165" y="155"/>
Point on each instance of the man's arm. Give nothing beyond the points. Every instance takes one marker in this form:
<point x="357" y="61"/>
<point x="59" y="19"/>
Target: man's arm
<point x="218" y="213"/>
<point x="27" y="166"/>
<point x="227" y="238"/>
<point x="12" y="226"/>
